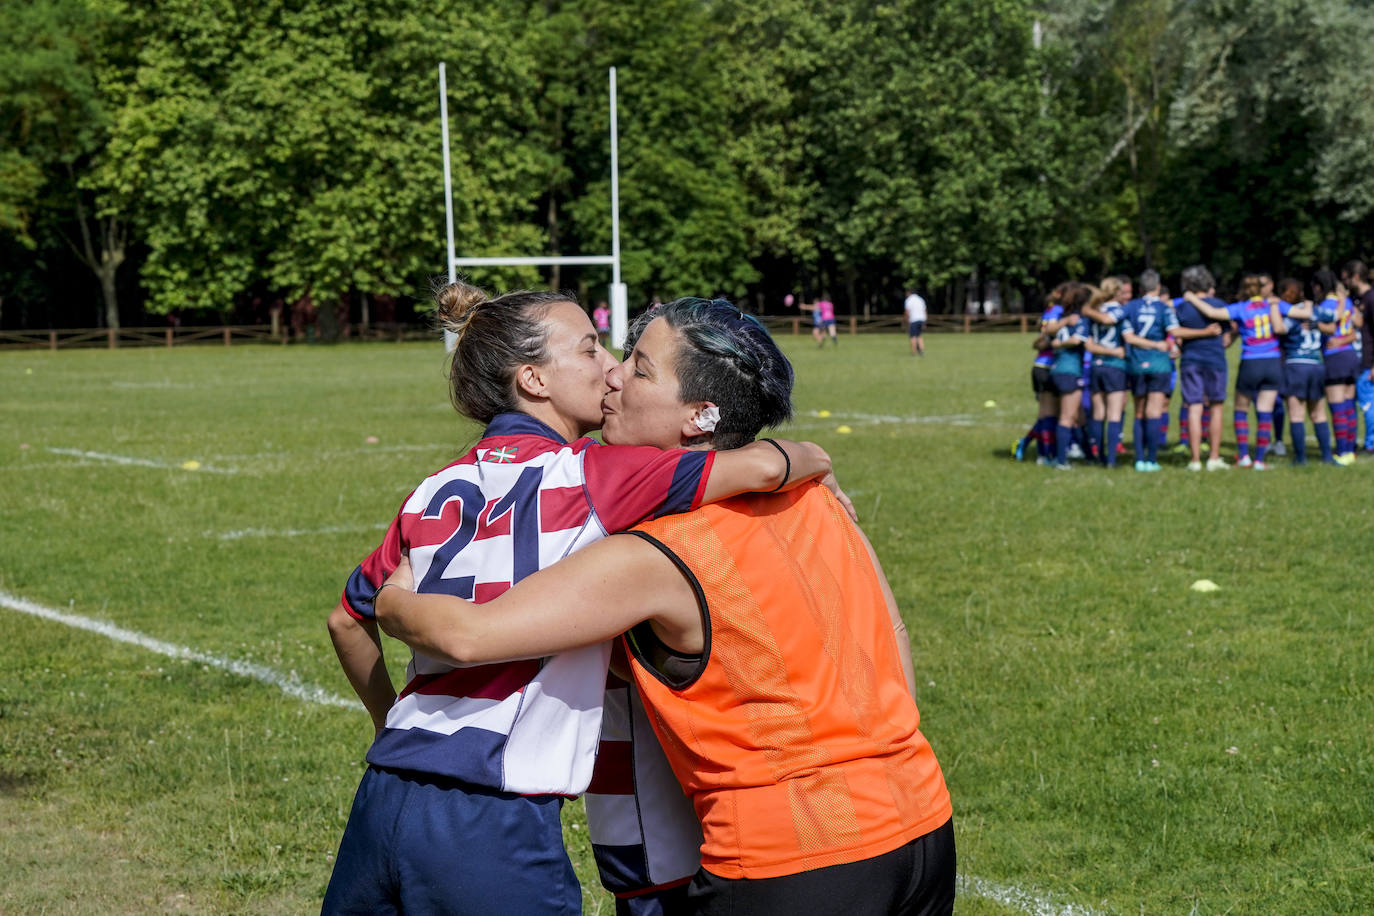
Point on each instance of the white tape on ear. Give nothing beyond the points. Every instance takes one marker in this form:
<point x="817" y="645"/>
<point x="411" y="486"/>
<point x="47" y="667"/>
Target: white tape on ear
<point x="708" y="418"/>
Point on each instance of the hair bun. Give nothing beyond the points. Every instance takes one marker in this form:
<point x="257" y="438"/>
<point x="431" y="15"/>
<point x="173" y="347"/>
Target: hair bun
<point x="456" y="303"/>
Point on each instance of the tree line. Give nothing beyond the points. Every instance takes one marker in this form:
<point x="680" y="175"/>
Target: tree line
<point x="216" y="159"/>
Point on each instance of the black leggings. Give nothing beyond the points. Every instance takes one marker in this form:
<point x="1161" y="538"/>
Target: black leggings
<point x="915" y="880"/>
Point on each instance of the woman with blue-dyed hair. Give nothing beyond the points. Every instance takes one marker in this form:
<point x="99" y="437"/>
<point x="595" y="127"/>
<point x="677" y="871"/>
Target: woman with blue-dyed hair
<point x="763" y="638"/>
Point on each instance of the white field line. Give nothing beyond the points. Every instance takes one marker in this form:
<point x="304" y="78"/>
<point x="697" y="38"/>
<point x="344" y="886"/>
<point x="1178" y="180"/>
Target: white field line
<point x="1017" y="898"/>
<point x="135" y="462"/>
<point x="290" y="685"/>
<point x="1005" y="894"/>
<point x="955" y="419"/>
<point x="289" y="532"/>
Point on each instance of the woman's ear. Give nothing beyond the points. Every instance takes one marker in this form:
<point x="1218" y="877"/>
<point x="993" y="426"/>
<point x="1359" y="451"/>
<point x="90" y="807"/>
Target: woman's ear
<point x="529" y="380"/>
<point x="701" y="421"/>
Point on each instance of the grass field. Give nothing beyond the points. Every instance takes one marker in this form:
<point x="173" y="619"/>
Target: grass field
<point x="1113" y="741"/>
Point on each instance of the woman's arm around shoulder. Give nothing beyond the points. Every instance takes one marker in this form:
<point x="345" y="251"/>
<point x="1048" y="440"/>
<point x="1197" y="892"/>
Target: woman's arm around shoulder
<point x="591" y="596"/>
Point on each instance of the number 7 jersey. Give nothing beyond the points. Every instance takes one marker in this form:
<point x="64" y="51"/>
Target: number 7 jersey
<point x="517" y="502"/>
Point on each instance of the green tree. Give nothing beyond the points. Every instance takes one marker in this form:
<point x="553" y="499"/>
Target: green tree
<point x="54" y="68"/>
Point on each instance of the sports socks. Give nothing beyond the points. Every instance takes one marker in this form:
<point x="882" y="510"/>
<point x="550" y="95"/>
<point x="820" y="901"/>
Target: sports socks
<point x="1266" y="431"/>
<point x="1242" y="425"/>
<point x="1299" y="430"/>
<point x="1323" y="431"/>
<point x="1153" y="432"/>
<point x="1185" y="436"/>
<point x="1280" y="413"/>
<point x="1063" y="436"/>
<point x="1343" y="414"/>
<point x="1113" y="439"/>
<point x="1139" y="440"/>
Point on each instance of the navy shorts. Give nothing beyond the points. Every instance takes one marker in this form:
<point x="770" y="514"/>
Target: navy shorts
<point x="423" y="844"/>
<point x="1152" y="383"/>
<point x="1108" y="379"/>
<point x="1202" y="384"/>
<point x="1304" y="381"/>
<point x="916" y="329"/>
<point x="1040" y="380"/>
<point x="1342" y="367"/>
<point x="1066" y="383"/>
<point x="1256" y="375"/>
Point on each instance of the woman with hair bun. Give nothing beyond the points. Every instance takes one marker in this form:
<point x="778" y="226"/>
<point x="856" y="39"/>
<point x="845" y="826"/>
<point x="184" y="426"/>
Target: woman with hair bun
<point x="459" y="808"/>
<point x="765" y="642"/>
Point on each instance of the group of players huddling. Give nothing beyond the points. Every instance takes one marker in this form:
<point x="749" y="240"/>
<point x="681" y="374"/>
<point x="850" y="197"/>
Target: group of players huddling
<point x="1099" y="342"/>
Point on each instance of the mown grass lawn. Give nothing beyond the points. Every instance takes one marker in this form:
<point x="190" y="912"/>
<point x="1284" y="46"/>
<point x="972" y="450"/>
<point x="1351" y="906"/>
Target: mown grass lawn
<point x="1113" y="741"/>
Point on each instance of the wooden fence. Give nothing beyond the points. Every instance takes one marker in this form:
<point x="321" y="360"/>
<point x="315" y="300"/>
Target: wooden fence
<point x="227" y="335"/>
<point x="853" y="324"/>
<point x="117" y="338"/>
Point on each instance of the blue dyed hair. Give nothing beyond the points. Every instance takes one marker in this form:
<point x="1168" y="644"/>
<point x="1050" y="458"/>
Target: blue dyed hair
<point x="728" y="358"/>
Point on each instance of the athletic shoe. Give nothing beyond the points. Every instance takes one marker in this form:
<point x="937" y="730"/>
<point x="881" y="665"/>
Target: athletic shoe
<point x="1217" y="464"/>
<point x="1278" y="449"/>
<point x="1063" y="467"/>
<point x="1075" y="452"/>
<point x="1043" y="461"/>
<point x="1346" y="458"/>
<point x="1195" y="465"/>
<point x="1333" y="462"/>
<point x="1259" y="466"/>
<point x="1181" y="449"/>
<point x="1018" y="449"/>
<point x="1120" y="448"/>
<point x="1244" y="462"/>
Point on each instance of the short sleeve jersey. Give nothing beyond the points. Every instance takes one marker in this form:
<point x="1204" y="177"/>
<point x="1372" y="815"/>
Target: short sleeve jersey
<point x="1329" y="311"/>
<point x="825" y="310"/>
<point x="1045" y="358"/>
<point x="1302" y="343"/>
<point x="1069" y="360"/>
<point x="520" y="500"/>
<point x="1151" y="318"/>
<point x="1258" y="339"/>
<point x="1108" y="335"/>
<point x="1208" y="352"/>
<point x="601" y="317"/>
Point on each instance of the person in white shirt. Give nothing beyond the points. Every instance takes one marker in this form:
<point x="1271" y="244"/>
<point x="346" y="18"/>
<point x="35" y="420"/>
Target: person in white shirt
<point x="915" y="308"/>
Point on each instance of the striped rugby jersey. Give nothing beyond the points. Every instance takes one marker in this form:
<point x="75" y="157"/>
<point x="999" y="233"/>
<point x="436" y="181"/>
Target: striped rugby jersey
<point x="520" y="500"/>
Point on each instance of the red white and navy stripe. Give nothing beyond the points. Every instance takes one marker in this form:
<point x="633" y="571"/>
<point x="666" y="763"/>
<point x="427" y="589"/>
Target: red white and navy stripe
<point x="517" y="502"/>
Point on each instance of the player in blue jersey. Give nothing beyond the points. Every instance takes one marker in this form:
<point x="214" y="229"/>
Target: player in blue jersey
<point x="1042" y="433"/>
<point x="1202" y="367"/>
<point x="1261" y="369"/>
<point x="1146" y="328"/>
<point x="459" y="808"/>
<point x="1105" y="313"/>
<point x="1304" y="377"/>
<point x="1276" y="448"/>
<point x="1066" y="375"/>
<point x="1339" y="322"/>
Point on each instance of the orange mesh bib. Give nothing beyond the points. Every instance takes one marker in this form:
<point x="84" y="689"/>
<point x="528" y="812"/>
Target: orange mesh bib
<point x="798" y="741"/>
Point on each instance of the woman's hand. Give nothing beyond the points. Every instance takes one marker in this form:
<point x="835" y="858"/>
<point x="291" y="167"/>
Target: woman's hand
<point x="402" y="576"/>
<point x="833" y="486"/>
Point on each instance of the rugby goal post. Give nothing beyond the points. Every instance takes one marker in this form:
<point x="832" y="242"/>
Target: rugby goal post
<point x="618" y="295"/>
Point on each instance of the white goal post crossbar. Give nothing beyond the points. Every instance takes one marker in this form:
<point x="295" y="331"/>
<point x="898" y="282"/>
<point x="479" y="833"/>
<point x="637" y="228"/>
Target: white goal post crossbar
<point x="618" y="297"/>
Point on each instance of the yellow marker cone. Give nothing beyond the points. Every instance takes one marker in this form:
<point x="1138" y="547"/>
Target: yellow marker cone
<point x="192" y="465"/>
<point x="989" y="403"/>
<point x="843" y="430"/>
<point x="1205" y="585"/>
<point x="823" y="414"/>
